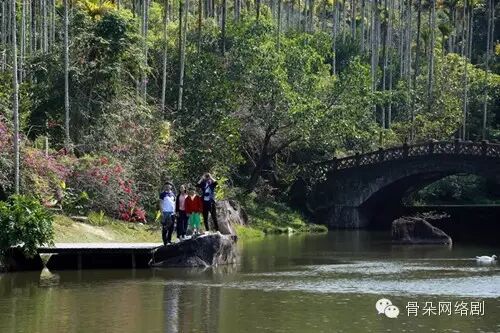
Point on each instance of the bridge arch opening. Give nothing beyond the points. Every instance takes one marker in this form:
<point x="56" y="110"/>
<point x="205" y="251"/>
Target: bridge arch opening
<point x="459" y="189"/>
<point x="474" y="211"/>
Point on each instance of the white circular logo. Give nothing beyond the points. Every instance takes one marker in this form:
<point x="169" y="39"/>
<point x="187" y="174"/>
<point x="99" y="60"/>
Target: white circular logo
<point x="382" y="304"/>
<point x="391" y="311"/>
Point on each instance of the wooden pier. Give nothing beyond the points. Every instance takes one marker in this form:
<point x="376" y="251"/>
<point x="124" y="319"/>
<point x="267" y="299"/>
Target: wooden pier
<point x="98" y="255"/>
<point x="64" y="256"/>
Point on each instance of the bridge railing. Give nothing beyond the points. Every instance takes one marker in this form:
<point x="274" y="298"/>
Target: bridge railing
<point x="457" y="147"/>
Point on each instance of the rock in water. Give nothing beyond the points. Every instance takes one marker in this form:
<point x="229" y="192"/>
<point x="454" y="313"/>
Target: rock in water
<point x="230" y="213"/>
<point x="202" y="251"/>
<point x="416" y="230"/>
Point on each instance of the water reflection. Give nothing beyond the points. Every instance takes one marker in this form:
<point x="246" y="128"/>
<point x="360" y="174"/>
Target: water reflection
<point x="48" y="279"/>
<point x="283" y="284"/>
<point x="171" y="307"/>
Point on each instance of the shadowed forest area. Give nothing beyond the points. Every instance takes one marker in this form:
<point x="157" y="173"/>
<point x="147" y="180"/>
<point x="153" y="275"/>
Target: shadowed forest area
<point x="109" y="100"/>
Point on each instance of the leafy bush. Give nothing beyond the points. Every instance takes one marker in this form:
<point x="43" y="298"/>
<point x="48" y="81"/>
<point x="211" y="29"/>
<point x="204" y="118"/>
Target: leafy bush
<point x="44" y="175"/>
<point x="109" y="187"/>
<point x="6" y="154"/>
<point x="24" y="222"/>
<point x="275" y="217"/>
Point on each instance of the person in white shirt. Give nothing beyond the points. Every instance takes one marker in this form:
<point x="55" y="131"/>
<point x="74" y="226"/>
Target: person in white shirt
<point x="167" y="207"/>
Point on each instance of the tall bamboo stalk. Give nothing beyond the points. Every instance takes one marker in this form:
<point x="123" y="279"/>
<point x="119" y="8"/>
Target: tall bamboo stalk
<point x="15" y="97"/>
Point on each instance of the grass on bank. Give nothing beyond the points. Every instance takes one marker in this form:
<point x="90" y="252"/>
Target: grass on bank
<point x="106" y="230"/>
<point x="265" y="217"/>
<point x="272" y="217"/>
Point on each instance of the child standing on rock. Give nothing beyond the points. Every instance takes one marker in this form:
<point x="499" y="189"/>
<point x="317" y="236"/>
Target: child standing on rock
<point x="193" y="206"/>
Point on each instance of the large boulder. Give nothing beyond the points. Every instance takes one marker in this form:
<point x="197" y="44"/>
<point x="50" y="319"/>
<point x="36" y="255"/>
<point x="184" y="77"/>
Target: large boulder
<point x="229" y="214"/>
<point x="202" y="251"/>
<point x="417" y="230"/>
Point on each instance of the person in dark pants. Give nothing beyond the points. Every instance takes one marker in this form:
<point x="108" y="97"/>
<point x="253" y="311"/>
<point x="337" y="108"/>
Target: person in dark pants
<point x="180" y="210"/>
<point x="167" y="207"/>
<point x="208" y="185"/>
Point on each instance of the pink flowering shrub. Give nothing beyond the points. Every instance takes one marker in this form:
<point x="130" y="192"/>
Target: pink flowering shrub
<point x="6" y="156"/>
<point x="110" y="188"/>
<point x="44" y="176"/>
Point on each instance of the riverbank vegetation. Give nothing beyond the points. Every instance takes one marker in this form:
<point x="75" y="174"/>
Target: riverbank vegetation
<point x="102" y="102"/>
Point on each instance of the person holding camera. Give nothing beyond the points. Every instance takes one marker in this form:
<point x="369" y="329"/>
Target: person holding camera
<point x="208" y="185"/>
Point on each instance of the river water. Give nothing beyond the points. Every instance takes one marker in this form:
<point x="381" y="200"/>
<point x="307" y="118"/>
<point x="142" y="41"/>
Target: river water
<point x="306" y="283"/>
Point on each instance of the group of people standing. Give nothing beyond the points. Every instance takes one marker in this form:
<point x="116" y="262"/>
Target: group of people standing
<point x="187" y="208"/>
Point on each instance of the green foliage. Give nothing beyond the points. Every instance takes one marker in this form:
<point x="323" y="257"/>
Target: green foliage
<point x="74" y="201"/>
<point x="253" y="117"/>
<point x="98" y="219"/>
<point x="24" y="222"/>
<point x="248" y="233"/>
<point x="458" y="190"/>
<point x="274" y="217"/>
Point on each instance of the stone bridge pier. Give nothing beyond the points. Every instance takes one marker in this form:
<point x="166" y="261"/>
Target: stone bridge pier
<point x="356" y="191"/>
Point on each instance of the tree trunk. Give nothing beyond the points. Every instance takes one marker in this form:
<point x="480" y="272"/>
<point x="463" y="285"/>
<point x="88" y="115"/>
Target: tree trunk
<point x="165" y="47"/>
<point x="66" y="77"/>
<point x="183" y="15"/>
<point x="389" y="63"/>
<point x="401" y="39"/>
<point x="237" y="9"/>
<point x="145" y="15"/>
<point x="15" y="97"/>
<point x="374" y="50"/>
<point x="334" y="37"/>
<point x="23" y="41"/>
<point x="45" y="29"/>
<point x="464" y="55"/>
<point x="261" y="161"/>
<point x="223" y="30"/>
<point x="489" y="42"/>
<point x="200" y="23"/>
<point x="3" y="37"/>
<point x="362" y="39"/>
<point x="385" y="60"/>
<point x="311" y="16"/>
<point x="353" y="20"/>
<point x="279" y="25"/>
<point x="417" y="48"/>
<point x="408" y="69"/>
<point x="430" y="79"/>
<point x="53" y="24"/>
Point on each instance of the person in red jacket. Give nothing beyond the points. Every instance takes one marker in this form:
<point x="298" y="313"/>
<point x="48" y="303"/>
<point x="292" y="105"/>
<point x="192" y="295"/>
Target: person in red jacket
<point x="193" y="206"/>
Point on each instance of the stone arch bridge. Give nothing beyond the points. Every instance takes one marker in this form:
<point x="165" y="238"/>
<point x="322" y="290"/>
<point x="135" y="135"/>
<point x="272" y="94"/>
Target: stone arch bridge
<point x="354" y="191"/>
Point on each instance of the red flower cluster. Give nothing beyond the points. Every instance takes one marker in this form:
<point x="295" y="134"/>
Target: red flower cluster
<point x="131" y="212"/>
<point x="106" y="181"/>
